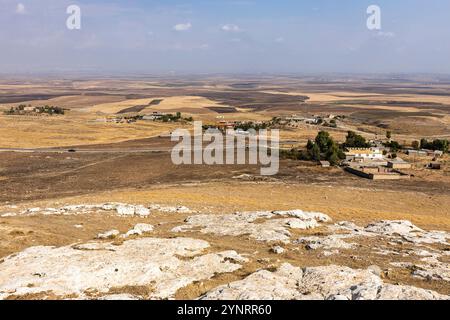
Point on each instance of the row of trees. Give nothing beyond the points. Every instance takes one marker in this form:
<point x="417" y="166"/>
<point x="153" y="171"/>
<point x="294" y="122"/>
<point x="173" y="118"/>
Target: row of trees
<point x="20" y="109"/>
<point x="325" y="148"/>
<point x="50" y="110"/>
<point x="322" y="148"/>
<point x="438" y="144"/>
<point x="251" y="125"/>
<point x="175" y="118"/>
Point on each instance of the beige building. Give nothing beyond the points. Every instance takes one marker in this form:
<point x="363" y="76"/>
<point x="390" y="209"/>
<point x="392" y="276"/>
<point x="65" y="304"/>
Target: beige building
<point x="399" y="164"/>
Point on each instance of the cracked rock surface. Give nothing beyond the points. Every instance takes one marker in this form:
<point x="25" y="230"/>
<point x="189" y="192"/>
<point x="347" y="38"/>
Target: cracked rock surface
<point x="165" y="265"/>
<point x="272" y="226"/>
<point x="121" y="209"/>
<point x="330" y="283"/>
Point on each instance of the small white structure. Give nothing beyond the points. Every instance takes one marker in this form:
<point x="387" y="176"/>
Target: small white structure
<point x="325" y="164"/>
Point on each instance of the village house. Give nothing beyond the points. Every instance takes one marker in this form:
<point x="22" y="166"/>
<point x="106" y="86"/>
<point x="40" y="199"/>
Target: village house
<point x="425" y="153"/>
<point x="377" y="173"/>
<point x="224" y="125"/>
<point x="154" y="116"/>
<point x="398" y="164"/>
<point x="364" y="154"/>
<point x="434" y="166"/>
<point x="325" y="164"/>
<point x="295" y="118"/>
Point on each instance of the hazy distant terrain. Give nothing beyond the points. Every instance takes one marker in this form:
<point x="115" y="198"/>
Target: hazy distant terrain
<point x="67" y="180"/>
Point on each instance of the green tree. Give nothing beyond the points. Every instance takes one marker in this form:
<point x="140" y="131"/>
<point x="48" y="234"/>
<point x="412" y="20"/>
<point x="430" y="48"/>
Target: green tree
<point x="394" y="146"/>
<point x="423" y="143"/>
<point x="309" y="145"/>
<point x="388" y="135"/>
<point x="315" y="152"/>
<point x="323" y="141"/>
<point x="354" y="140"/>
<point x="333" y="154"/>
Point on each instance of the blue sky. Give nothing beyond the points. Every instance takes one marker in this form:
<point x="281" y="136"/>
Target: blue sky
<point x="225" y="36"/>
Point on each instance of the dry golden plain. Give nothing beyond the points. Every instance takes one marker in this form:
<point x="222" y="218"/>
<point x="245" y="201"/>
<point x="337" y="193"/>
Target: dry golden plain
<point x="52" y="180"/>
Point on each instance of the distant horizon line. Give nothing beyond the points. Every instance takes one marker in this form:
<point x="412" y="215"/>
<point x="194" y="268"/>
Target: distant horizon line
<point x="91" y="74"/>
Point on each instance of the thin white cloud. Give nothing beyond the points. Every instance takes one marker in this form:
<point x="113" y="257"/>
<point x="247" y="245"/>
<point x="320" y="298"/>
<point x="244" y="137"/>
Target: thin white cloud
<point x="387" y="34"/>
<point x="20" y="9"/>
<point x="182" y="26"/>
<point x="231" y="28"/>
<point x="279" y="39"/>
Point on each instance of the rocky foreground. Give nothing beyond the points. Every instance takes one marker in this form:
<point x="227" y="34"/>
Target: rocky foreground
<point x="158" y="267"/>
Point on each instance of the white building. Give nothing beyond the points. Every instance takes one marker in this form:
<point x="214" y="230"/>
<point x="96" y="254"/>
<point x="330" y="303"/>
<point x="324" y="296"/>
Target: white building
<point x="364" y="154"/>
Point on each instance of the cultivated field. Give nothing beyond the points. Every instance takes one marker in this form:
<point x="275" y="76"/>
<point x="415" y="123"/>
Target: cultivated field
<point x="55" y="204"/>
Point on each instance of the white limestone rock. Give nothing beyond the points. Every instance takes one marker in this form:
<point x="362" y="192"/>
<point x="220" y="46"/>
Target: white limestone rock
<point x="8" y="215"/>
<point x="397" y="227"/>
<point x="141" y="211"/>
<point x="408" y="231"/>
<point x="108" y="234"/>
<point x="304" y="215"/>
<point x="334" y="241"/>
<point x="122" y="209"/>
<point x="125" y="210"/>
<point x="329" y="283"/>
<point x="430" y="269"/>
<point x="270" y="227"/>
<point x="139" y="230"/>
<point x="120" y="297"/>
<point x="169" y="209"/>
<point x="277" y="250"/>
<point x="72" y="270"/>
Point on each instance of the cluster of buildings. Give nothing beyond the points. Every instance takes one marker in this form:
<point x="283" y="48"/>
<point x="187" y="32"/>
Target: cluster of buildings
<point x="36" y="110"/>
<point x="120" y="119"/>
<point x="311" y="120"/>
<point x="227" y="124"/>
<point x="424" y="153"/>
<point x="372" y="164"/>
<point x="155" y="116"/>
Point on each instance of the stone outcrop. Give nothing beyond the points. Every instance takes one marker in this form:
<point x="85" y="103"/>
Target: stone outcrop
<point x="164" y="264"/>
<point x="399" y="231"/>
<point x="324" y="283"/>
<point x="408" y="232"/>
<point x="261" y="226"/>
<point x="168" y="209"/>
<point x="121" y="209"/>
<point x="108" y="234"/>
<point x="139" y="230"/>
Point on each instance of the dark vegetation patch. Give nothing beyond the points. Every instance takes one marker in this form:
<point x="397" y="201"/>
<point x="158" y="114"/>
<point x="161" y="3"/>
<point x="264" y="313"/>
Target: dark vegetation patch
<point x="389" y="114"/>
<point x="140" y="107"/>
<point x="252" y="99"/>
<point x="28" y="97"/>
<point x="223" y="109"/>
<point x="394" y="103"/>
<point x="244" y="85"/>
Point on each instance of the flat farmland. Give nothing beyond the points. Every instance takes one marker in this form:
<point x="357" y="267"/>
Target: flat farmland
<point x="67" y="180"/>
